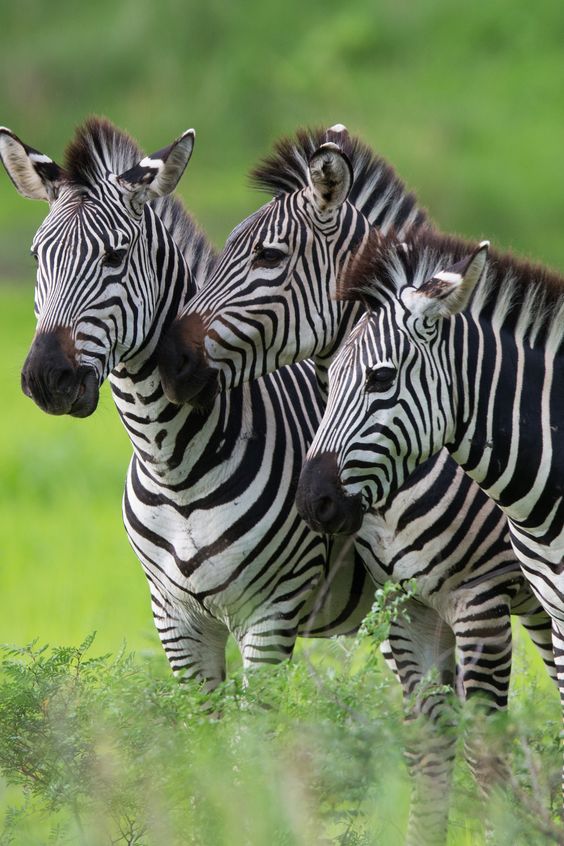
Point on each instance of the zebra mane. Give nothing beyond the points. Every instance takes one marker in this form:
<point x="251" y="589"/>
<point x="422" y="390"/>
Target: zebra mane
<point x="377" y="191"/>
<point x="100" y="148"/>
<point x="534" y="294"/>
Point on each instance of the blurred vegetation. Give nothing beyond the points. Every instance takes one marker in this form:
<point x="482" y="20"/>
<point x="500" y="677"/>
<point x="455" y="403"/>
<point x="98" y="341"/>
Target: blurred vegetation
<point x="466" y="101"/>
<point x="110" y="750"/>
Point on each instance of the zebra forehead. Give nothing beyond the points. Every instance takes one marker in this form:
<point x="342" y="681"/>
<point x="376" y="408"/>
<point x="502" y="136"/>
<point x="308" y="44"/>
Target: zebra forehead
<point x="79" y="212"/>
<point x="247" y="223"/>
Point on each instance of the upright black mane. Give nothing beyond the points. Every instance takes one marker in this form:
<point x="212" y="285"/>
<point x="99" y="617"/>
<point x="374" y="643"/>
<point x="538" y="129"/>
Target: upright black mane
<point x="100" y="148"/>
<point x="377" y="191"/>
<point x="511" y="284"/>
<point x="97" y="149"/>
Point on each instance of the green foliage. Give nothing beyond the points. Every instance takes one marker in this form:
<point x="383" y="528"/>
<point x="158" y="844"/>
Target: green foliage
<point x="389" y="602"/>
<point x="109" y="749"/>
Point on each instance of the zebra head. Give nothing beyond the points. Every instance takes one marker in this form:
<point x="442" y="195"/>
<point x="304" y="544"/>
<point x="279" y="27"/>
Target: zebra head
<point x="95" y="296"/>
<point x="391" y="401"/>
<point x="269" y="301"/>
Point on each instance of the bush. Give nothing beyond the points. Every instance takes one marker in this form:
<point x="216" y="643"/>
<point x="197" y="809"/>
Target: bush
<point x="107" y="750"/>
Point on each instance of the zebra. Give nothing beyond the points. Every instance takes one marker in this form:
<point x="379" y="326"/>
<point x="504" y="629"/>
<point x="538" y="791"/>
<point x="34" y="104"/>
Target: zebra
<point x="209" y="496"/>
<point x="458" y="352"/>
<point x="269" y="302"/>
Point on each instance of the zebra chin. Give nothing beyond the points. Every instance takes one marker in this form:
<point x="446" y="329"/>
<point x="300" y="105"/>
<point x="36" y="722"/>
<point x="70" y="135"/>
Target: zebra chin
<point x="321" y="500"/>
<point x="86" y="401"/>
<point x="198" y="392"/>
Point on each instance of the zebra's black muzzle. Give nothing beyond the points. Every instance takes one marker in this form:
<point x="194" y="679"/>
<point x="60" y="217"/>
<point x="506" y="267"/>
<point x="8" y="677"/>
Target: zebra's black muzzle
<point x="53" y="380"/>
<point x="321" y="500"/>
<point x="185" y="373"/>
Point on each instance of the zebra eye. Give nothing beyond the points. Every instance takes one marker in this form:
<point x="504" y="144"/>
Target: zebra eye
<point x="33" y="254"/>
<point x="114" y="258"/>
<point x="379" y="379"/>
<point x="268" y="257"/>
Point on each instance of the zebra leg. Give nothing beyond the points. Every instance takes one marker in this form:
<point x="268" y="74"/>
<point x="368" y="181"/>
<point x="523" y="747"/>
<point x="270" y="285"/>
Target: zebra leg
<point x="558" y="646"/>
<point x="388" y="656"/>
<point x="484" y="647"/>
<point x="422" y="646"/>
<point x="268" y="642"/>
<point x="193" y="640"/>
<point x="539" y="626"/>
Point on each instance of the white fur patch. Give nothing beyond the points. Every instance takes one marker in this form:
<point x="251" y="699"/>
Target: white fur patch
<point x="447" y="276"/>
<point x="40" y="158"/>
<point x="154" y="164"/>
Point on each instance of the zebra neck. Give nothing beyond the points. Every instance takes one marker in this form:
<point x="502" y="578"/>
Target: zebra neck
<point x="349" y="315"/>
<point x="505" y="441"/>
<point x="151" y="421"/>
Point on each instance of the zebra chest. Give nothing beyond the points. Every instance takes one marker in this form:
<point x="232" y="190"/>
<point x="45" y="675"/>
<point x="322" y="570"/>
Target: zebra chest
<point x="210" y="548"/>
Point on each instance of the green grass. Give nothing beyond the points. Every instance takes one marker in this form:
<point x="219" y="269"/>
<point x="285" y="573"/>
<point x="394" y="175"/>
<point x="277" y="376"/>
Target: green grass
<point x="111" y="750"/>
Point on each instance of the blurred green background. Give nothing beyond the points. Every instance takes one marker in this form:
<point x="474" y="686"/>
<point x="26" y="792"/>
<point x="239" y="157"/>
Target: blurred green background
<point x="464" y="99"/>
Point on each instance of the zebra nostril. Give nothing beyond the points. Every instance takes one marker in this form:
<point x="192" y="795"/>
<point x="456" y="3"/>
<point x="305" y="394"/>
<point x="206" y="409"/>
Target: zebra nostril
<point x="325" y="509"/>
<point x="62" y="381"/>
<point x="186" y="365"/>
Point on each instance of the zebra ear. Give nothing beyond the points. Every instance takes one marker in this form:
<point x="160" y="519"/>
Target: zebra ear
<point x="330" y="176"/>
<point x="160" y="173"/>
<point x="448" y="291"/>
<point x="35" y="176"/>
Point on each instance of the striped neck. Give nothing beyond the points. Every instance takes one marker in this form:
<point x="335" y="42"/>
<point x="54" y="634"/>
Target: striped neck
<point x="504" y="439"/>
<point x="151" y="421"/>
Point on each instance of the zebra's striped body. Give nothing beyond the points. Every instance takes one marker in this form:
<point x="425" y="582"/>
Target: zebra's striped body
<point x="270" y="301"/>
<point x="209" y="499"/>
<point x="416" y="375"/>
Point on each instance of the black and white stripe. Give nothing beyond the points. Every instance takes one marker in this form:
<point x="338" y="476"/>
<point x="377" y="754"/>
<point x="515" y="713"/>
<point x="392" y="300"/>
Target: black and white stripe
<point x="271" y="300"/>
<point x="458" y="352"/>
<point x="209" y="499"/>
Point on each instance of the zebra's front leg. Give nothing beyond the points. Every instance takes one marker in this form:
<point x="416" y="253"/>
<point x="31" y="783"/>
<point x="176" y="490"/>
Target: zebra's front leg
<point x="539" y="627"/>
<point x="423" y="652"/>
<point x="558" y="645"/>
<point x="193" y="640"/>
<point x="484" y="649"/>
<point x="268" y="642"/>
